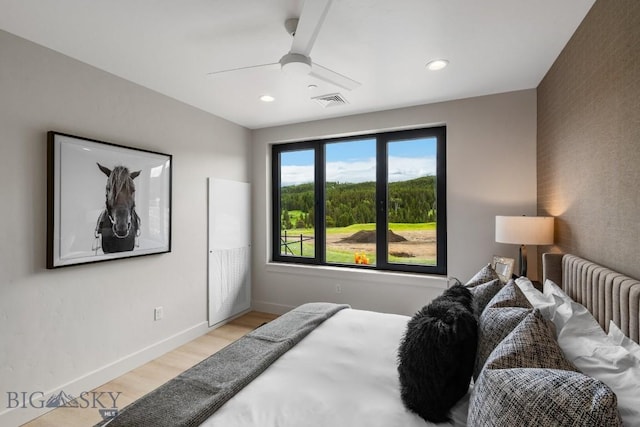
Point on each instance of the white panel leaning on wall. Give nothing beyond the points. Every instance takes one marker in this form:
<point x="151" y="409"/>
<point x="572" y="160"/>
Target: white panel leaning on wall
<point x="229" y="246"/>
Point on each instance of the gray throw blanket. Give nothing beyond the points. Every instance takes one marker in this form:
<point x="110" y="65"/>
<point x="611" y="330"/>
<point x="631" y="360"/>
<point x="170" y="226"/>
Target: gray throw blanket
<point x="193" y="396"/>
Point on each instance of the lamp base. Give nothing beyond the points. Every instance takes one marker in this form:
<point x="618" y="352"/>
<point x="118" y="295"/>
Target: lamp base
<point x="523" y="261"/>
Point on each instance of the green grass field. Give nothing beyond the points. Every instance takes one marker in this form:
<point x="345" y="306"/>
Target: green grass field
<point x="335" y="255"/>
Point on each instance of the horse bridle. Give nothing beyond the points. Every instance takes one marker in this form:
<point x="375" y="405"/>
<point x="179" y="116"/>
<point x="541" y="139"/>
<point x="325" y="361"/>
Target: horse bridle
<point x="134" y="217"/>
<point x="101" y="218"/>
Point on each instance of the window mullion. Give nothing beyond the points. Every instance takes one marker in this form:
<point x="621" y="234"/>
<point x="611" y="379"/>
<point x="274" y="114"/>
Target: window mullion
<point x="320" y="223"/>
<point x="381" y="202"/>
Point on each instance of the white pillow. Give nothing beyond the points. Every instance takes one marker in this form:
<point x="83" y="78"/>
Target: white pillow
<point x="620" y="370"/>
<point x="578" y="332"/>
<point x="617" y="337"/>
<point x="597" y="354"/>
<point x="549" y="288"/>
<point x="545" y="303"/>
<point x="613" y="359"/>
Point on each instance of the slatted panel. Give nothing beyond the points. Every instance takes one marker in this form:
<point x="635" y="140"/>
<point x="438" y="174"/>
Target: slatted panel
<point x="607" y="294"/>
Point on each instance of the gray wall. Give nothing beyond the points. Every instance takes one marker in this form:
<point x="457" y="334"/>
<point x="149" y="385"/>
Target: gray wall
<point x="589" y="139"/>
<point x="78" y="327"/>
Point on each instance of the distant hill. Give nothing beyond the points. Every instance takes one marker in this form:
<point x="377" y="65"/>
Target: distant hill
<point x="411" y="201"/>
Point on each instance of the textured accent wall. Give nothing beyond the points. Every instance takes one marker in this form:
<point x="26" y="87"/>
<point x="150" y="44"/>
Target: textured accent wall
<point x="588" y="155"/>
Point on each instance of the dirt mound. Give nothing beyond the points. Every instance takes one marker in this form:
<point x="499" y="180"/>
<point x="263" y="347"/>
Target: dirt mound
<point x="369" y="236"/>
<point x="402" y="254"/>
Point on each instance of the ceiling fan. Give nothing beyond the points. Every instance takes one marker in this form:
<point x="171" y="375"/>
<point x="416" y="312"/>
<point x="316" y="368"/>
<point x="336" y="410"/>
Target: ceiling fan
<point x="304" y="31"/>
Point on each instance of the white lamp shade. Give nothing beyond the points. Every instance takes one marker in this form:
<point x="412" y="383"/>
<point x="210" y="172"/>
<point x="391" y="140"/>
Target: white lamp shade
<point x="524" y="230"/>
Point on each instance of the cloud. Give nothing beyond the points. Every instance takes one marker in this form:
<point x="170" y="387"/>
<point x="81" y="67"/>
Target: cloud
<point x="294" y="175"/>
<point x="362" y="170"/>
<point x="405" y="168"/>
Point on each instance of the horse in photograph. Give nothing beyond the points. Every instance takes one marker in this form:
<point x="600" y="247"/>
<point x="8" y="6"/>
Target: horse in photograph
<point x="118" y="223"/>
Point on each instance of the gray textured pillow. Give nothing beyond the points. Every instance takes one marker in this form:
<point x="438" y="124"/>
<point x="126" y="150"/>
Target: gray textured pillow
<point x="528" y="381"/>
<point x="483" y="293"/>
<point x="542" y="397"/>
<point x="486" y="274"/>
<point x="509" y="296"/>
<point x="531" y="344"/>
<point x="493" y="326"/>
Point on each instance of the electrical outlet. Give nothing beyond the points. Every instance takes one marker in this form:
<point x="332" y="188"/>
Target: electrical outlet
<point x="157" y="313"/>
<point x="338" y="288"/>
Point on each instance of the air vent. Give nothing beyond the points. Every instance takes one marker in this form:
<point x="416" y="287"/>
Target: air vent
<point x="331" y="100"/>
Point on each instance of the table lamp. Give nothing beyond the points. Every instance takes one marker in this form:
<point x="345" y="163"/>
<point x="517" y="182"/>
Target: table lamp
<point x="524" y="230"/>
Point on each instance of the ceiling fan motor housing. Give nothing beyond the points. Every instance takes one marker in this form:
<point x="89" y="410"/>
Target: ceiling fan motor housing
<point x="295" y="63"/>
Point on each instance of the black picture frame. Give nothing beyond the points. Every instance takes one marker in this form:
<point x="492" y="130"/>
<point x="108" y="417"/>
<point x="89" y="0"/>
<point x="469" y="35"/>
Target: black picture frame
<point x="105" y="201"/>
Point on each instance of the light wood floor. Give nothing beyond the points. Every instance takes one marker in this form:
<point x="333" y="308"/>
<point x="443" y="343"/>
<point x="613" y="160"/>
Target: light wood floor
<point x="145" y="378"/>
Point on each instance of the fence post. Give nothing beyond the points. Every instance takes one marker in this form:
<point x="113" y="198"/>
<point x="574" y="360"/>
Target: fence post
<point x="301" y="244"/>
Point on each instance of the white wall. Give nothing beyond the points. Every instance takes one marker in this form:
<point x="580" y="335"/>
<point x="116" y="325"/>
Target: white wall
<point x="491" y="170"/>
<point x="77" y="327"/>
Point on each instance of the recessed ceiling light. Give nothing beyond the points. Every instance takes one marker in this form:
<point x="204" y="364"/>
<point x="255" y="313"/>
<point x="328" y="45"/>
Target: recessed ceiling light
<point x="437" y="64"/>
<point x="267" y="98"/>
<point x="312" y="87"/>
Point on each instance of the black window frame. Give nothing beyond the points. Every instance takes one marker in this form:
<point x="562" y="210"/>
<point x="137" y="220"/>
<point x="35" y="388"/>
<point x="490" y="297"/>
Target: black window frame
<point x="382" y="140"/>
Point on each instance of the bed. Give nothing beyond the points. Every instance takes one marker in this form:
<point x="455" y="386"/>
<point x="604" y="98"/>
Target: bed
<point x="339" y="366"/>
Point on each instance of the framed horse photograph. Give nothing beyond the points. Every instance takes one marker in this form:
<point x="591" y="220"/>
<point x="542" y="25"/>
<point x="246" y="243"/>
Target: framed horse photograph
<point x="105" y="201"/>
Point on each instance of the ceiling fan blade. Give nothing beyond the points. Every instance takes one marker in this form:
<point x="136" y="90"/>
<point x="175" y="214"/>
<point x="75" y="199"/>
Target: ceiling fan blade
<point x="274" y="65"/>
<point x="329" y="76"/>
<point x="311" y="19"/>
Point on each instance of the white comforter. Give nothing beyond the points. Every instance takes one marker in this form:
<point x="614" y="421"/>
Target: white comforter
<point x="342" y="374"/>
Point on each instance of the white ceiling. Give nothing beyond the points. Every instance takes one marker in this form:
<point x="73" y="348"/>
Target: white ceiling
<point x="170" y="45"/>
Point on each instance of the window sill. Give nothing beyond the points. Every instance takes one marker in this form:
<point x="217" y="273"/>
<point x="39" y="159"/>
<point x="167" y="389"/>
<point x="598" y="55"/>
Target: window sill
<point x="360" y="275"/>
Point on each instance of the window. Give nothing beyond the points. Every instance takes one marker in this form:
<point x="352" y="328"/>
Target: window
<point x="372" y="201"/>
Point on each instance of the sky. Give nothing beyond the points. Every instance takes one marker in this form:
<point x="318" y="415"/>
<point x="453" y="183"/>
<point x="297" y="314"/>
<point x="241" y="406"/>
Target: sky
<point x="355" y="161"/>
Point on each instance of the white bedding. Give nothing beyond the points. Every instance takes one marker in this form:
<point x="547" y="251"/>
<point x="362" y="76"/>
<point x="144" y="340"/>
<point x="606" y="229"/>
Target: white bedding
<point x="342" y="374"/>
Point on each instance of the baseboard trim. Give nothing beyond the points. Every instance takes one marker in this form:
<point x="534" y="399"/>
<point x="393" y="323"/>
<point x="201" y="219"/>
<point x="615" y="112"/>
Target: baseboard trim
<point x="270" y="307"/>
<point x="106" y="373"/>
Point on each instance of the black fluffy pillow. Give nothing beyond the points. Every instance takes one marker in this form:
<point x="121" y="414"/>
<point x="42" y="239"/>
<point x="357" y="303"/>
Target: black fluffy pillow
<point x="437" y="355"/>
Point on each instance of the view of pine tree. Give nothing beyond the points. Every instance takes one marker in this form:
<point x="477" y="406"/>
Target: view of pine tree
<point x="286" y="221"/>
<point x="411" y="201"/>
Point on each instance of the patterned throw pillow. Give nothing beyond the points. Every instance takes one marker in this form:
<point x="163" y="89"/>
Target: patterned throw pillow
<point x="509" y="296"/>
<point x="531" y="344"/>
<point x="493" y="326"/>
<point x="542" y="397"/>
<point x="528" y="381"/>
<point x="483" y="293"/>
<point x="486" y="274"/>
